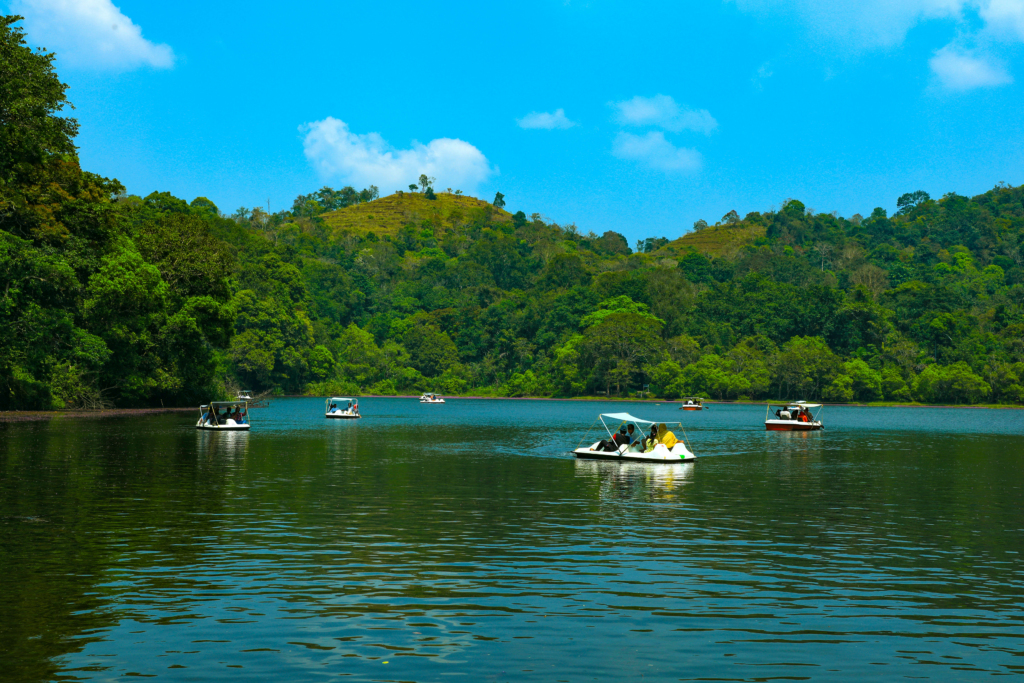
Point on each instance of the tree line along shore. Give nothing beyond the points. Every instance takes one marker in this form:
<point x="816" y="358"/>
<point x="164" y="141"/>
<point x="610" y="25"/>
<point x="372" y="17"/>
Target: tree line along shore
<point x="115" y="300"/>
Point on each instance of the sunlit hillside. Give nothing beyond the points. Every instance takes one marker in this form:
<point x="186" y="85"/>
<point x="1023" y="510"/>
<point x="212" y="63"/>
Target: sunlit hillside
<point x="385" y="216"/>
<point x="718" y="240"/>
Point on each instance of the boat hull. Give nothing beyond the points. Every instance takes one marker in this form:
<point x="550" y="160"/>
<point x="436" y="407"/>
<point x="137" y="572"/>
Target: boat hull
<point x="677" y="453"/>
<point x="336" y="416"/>
<point x="585" y="454"/>
<point x="792" y="426"/>
<point x="224" y="428"/>
<point x="691" y="408"/>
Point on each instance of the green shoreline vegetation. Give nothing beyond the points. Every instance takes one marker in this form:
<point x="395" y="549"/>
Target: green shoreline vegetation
<point x="110" y="299"/>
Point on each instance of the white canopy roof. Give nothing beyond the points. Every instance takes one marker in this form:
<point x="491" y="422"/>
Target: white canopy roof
<point x="340" y="398"/>
<point x="626" y="417"/>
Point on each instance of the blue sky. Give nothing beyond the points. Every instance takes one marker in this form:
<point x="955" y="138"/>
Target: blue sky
<point x="640" y="117"/>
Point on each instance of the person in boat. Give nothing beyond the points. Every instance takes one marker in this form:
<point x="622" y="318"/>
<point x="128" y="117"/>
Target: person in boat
<point x="355" y="408"/>
<point x="237" y="415"/>
<point x="805" y="415"/>
<point x="667" y="437"/>
<point x="612" y="445"/>
<point x="631" y="434"/>
<point x="652" y="439"/>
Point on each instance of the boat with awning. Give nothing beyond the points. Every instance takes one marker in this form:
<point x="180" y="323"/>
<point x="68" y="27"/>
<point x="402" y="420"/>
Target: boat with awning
<point x="795" y="416"/>
<point x="342" y="408"/>
<point x="650" y="441"/>
<point x="220" y="416"/>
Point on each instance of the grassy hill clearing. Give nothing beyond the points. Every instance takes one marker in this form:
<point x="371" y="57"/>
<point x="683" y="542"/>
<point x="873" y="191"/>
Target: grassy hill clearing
<point x="387" y="215"/>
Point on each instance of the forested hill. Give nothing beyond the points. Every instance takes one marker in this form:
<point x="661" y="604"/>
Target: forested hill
<point x="109" y="298"/>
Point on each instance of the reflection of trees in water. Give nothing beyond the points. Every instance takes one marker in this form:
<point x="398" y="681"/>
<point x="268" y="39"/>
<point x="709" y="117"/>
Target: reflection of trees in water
<point x="635" y="480"/>
<point x="81" y="501"/>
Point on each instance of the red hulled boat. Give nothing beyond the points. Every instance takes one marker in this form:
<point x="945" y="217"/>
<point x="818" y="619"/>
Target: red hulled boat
<point x="793" y="417"/>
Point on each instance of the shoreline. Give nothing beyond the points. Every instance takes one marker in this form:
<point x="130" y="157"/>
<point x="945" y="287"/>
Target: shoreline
<point x="9" y="416"/>
<point x="774" y="402"/>
<point x="12" y="416"/>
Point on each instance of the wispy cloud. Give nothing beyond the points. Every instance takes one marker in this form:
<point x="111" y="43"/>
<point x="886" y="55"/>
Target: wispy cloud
<point x="859" y="24"/>
<point x="958" y="69"/>
<point x="91" y="34"/>
<point x="654" y="151"/>
<point x="546" y="120"/>
<point x="367" y="159"/>
<point x="663" y="112"/>
<point x="764" y="72"/>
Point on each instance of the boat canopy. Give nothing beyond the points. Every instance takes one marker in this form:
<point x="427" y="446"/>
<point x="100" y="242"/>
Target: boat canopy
<point x="626" y="417"/>
<point x="332" y="399"/>
<point x="221" y="404"/>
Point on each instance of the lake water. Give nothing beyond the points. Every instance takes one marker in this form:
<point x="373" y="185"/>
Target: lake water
<point x="463" y="542"/>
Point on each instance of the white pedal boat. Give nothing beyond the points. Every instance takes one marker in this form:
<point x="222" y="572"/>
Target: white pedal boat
<point x="673" y="450"/>
<point x="334" y="409"/>
<point x="794" y="416"/>
<point x="431" y="398"/>
<point x="234" y="418"/>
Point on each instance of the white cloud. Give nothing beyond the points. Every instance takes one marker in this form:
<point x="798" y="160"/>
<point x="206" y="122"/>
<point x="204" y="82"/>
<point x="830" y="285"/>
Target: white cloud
<point x="368" y="159"/>
<point x="1004" y="18"/>
<point x="90" y="34"/>
<point x="546" y="120"/>
<point x="662" y="111"/>
<point x="958" y="69"/>
<point x="654" y="151"/>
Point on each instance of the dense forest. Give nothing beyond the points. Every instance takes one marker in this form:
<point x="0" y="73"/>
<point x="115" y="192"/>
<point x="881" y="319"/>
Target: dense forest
<point x="114" y="299"/>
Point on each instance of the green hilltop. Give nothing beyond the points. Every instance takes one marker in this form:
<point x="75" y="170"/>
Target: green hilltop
<point x="724" y="240"/>
<point x="387" y="215"/>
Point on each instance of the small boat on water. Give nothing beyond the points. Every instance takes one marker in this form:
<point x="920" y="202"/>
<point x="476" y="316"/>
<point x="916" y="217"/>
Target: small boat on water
<point x="660" y="444"/>
<point x="431" y="398"/>
<point x="795" y="416"/>
<point x="692" y="403"/>
<point x="233" y="418"/>
<point x="337" y="407"/>
<point x="248" y="396"/>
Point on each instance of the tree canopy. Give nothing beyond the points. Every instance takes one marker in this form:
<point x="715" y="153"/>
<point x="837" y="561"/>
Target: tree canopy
<point x="110" y="298"/>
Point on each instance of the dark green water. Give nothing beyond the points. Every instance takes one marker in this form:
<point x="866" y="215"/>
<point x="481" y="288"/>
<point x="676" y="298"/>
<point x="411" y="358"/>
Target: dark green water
<point x="430" y="543"/>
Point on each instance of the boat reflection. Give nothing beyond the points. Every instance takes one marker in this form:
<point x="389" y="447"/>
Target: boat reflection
<point x="226" y="444"/>
<point x="633" y="479"/>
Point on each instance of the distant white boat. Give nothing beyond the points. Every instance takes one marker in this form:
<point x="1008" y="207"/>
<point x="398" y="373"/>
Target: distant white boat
<point x="234" y="418"/>
<point x="664" y="447"/>
<point x="244" y="395"/>
<point x="431" y="398"/>
<point x="337" y="407"/>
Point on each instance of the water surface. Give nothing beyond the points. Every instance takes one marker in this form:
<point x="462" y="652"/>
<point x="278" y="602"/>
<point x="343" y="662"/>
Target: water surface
<point x="428" y="543"/>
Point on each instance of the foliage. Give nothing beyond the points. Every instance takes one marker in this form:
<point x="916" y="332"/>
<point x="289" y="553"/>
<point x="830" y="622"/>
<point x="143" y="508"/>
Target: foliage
<point x="109" y="298"/>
